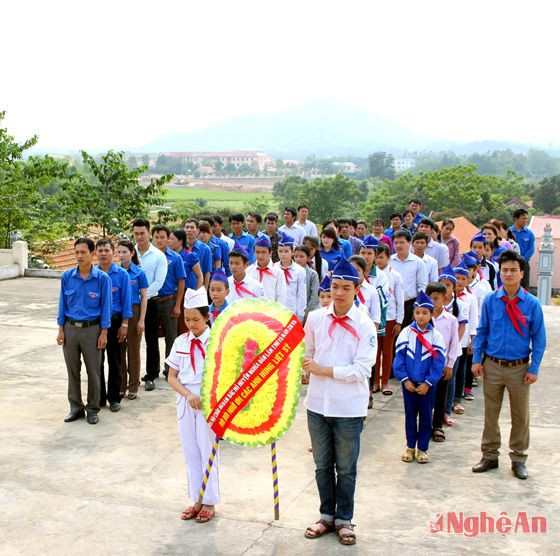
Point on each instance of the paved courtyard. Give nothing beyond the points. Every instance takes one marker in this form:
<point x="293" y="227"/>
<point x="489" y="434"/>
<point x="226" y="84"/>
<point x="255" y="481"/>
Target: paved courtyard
<point x="118" y="487"/>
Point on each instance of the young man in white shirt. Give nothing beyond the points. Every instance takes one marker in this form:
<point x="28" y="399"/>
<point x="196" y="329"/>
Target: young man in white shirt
<point x="419" y="243"/>
<point x="291" y="227"/>
<point x="241" y="286"/>
<point x="294" y="277"/>
<point x="340" y="350"/>
<point x="412" y="270"/>
<point x="434" y="249"/>
<point x="263" y="270"/>
<point x="307" y="225"/>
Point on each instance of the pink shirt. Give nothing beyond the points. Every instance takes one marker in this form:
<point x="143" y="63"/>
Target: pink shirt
<point x="448" y="326"/>
<point x="454" y="250"/>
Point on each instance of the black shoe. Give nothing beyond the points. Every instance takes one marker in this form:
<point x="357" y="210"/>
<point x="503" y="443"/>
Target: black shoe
<point x="144" y="378"/>
<point x="80" y="414"/>
<point x="484" y="465"/>
<point x="519" y="470"/>
<point x="92" y="418"/>
<point x="149" y="385"/>
<point x="132" y="396"/>
<point x="115" y="406"/>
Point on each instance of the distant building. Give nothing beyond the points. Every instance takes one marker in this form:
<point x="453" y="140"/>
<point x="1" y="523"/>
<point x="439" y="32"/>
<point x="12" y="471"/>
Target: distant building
<point x="403" y="164"/>
<point x="516" y="203"/>
<point x="346" y="167"/>
<point x="236" y="158"/>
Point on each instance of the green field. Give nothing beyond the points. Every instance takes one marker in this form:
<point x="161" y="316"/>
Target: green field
<point x="214" y="197"/>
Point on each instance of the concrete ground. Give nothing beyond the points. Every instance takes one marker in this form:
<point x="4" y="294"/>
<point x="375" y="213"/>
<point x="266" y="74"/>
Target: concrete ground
<point x="118" y="487"/>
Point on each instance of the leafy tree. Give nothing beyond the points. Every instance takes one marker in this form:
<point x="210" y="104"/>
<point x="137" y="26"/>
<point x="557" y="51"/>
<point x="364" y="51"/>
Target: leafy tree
<point x="260" y="205"/>
<point x="381" y="165"/>
<point x="547" y="195"/>
<point x="111" y="196"/>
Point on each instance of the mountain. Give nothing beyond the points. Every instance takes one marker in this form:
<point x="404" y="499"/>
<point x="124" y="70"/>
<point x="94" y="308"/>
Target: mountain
<point x="321" y="126"/>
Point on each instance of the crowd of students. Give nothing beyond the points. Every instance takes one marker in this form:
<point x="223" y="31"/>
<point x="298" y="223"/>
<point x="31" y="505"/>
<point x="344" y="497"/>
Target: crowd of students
<point x="374" y="302"/>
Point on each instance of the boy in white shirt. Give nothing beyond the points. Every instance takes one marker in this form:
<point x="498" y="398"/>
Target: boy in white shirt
<point x="419" y="244"/>
<point x="340" y="350"/>
<point x="294" y="277"/>
<point x="241" y="285"/>
<point x="263" y="270"/>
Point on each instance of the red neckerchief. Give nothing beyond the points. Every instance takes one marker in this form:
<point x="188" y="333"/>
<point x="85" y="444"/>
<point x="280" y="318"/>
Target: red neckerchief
<point x="424" y="342"/>
<point x="514" y="313"/>
<point x="361" y="297"/>
<point x="215" y="314"/>
<point x="195" y="342"/>
<point x="287" y="274"/>
<point x="239" y="289"/>
<point x="263" y="271"/>
<point x="342" y="322"/>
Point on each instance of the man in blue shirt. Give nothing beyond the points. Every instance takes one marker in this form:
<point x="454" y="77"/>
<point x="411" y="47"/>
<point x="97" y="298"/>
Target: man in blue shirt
<point x="245" y="240"/>
<point x="525" y="238"/>
<point x="121" y="311"/>
<point x="84" y="316"/>
<point x="168" y="301"/>
<point x="511" y="340"/>
<point x="415" y="206"/>
<point x="202" y="250"/>
<point x="253" y="222"/>
<point x="222" y="244"/>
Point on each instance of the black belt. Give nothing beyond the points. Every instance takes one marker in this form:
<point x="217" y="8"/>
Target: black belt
<point x="82" y="323"/>
<point x="163" y="298"/>
<point x="507" y="362"/>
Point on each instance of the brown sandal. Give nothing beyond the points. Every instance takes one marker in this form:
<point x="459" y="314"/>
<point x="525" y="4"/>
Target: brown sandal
<point x="313" y="533"/>
<point x="346" y="538"/>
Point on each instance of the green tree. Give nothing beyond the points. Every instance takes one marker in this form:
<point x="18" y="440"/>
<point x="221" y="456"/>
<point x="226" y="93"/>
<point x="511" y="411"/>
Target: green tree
<point x="110" y="195"/>
<point x="381" y="165"/>
<point x="547" y="195"/>
<point x="260" y="205"/>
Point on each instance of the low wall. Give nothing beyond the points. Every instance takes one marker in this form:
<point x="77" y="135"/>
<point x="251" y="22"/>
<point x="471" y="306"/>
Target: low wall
<point x="6" y="257"/>
<point x="9" y="271"/>
<point x="42" y="273"/>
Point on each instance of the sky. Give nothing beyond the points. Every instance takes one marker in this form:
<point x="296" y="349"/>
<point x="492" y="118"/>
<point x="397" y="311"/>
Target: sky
<point x="118" y="74"/>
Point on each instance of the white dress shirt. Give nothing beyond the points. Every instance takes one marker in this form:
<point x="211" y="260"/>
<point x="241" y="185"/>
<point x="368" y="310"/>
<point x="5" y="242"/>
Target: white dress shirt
<point x="272" y="281"/>
<point x="472" y="307"/>
<point x="413" y="273"/>
<point x="432" y="274"/>
<point x="439" y="252"/>
<point x="253" y="286"/>
<point x="309" y="227"/>
<point x="346" y="394"/>
<point x="228" y="240"/>
<point x="154" y="265"/>
<point x="371" y="301"/>
<point x="180" y="358"/>
<point x="296" y="231"/>
<point x="296" y="288"/>
<point x="395" y="308"/>
<point x="479" y="288"/>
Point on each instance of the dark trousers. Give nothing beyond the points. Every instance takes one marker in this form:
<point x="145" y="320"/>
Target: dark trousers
<point x="418" y="418"/>
<point x="158" y="311"/>
<point x="408" y="310"/>
<point x="460" y="377"/>
<point x="81" y="343"/>
<point x="440" y="403"/>
<point x="113" y="352"/>
<point x="469" y="377"/>
<point x="336" y="446"/>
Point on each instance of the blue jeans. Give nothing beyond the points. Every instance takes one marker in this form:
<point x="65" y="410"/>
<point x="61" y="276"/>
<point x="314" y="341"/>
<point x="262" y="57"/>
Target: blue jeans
<point x="336" y="446"/>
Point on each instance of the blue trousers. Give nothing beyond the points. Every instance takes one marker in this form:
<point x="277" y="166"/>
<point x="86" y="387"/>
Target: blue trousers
<point x="336" y="446"/>
<point x="418" y="417"/>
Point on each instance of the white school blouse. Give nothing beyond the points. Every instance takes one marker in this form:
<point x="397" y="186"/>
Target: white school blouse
<point x="253" y="286"/>
<point x="273" y="281"/>
<point x="180" y="358"/>
<point x="347" y="393"/>
<point x="296" y="289"/>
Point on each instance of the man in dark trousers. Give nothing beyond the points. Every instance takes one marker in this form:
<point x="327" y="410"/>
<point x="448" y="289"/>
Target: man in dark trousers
<point x="507" y="350"/>
<point x="84" y="316"/>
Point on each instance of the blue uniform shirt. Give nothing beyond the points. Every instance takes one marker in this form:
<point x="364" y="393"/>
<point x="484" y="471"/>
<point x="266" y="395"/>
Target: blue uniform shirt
<point x="218" y="312"/>
<point x="175" y="272"/>
<point x="525" y="238"/>
<point x="345" y="247"/>
<point x="497" y="336"/>
<point x="189" y="260"/>
<point x="204" y="255"/>
<point x="247" y="241"/>
<point x="332" y="257"/>
<point x="224" y="251"/>
<point x="121" y="290"/>
<point x="85" y="300"/>
<point x="138" y="281"/>
<point x="419" y="217"/>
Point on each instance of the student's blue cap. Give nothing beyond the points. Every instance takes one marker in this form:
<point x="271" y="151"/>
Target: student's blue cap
<point x="473" y="254"/>
<point x="422" y="300"/>
<point x="219" y="276"/>
<point x="286" y="240"/>
<point x="468" y="260"/>
<point x="263" y="241"/>
<point x="448" y="274"/>
<point x="345" y="271"/>
<point x="325" y="285"/>
<point x="240" y="250"/>
<point x="462" y="269"/>
<point x="480" y="237"/>
<point x="370" y="242"/>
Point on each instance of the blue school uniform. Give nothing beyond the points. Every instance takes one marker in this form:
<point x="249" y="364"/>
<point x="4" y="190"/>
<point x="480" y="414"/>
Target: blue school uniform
<point x="415" y="363"/>
<point x="332" y="257"/>
<point x="189" y="260"/>
<point x="215" y="313"/>
<point x="138" y="281"/>
<point x="345" y="247"/>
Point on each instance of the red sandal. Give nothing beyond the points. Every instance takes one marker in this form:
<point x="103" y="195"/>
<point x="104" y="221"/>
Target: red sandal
<point x="204" y="516"/>
<point x="190" y="513"/>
